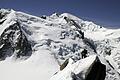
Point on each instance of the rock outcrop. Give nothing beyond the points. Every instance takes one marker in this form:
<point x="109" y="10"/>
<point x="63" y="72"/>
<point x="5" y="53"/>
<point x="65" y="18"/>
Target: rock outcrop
<point x="89" y="68"/>
<point x="14" y="42"/>
<point x="97" y="71"/>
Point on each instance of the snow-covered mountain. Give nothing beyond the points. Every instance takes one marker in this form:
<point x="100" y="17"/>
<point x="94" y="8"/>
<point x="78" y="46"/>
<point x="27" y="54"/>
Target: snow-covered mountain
<point x="33" y="48"/>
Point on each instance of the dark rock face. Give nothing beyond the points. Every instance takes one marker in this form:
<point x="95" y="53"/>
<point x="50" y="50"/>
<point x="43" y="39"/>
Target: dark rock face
<point x="76" y="25"/>
<point x="90" y="43"/>
<point x="97" y="71"/>
<point x="13" y="41"/>
<point x="64" y="64"/>
<point x="4" y="13"/>
<point x="84" y="53"/>
<point x="2" y="22"/>
<point x="1" y="15"/>
<point x="43" y="17"/>
<point x="75" y="77"/>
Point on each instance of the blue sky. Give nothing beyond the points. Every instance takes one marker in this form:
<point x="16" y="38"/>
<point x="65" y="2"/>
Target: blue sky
<point x="103" y="12"/>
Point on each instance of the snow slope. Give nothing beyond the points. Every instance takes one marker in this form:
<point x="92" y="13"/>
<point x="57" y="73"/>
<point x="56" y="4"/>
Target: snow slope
<point x="31" y="69"/>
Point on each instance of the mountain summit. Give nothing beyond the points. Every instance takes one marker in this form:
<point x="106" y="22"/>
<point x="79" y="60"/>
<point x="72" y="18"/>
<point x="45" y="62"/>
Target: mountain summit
<point x="56" y="47"/>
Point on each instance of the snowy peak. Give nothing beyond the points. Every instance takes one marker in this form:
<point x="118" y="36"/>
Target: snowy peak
<point x="57" y="18"/>
<point x="54" y="39"/>
<point x="59" y="34"/>
<point x="70" y="16"/>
